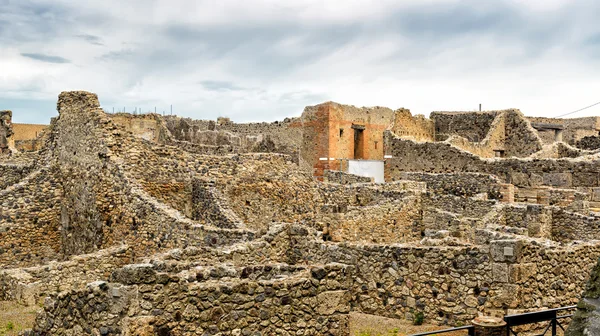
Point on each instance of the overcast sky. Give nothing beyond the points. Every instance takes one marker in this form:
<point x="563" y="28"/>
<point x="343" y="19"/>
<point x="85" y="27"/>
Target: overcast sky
<point x="264" y="60"/>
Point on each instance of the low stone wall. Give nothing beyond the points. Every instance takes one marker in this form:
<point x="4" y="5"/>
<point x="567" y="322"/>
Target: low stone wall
<point x="394" y="221"/>
<point x="457" y="184"/>
<point x="315" y="302"/>
<point x="336" y="176"/>
<point x="29" y="286"/>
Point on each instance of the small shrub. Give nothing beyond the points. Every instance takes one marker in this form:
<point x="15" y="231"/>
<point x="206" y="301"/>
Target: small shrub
<point x="10" y="326"/>
<point x="418" y="318"/>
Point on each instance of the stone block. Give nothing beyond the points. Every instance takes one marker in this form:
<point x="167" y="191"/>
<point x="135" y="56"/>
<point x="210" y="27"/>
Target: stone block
<point x="522" y="272"/>
<point x="135" y="274"/>
<point x="500" y="272"/>
<point x="558" y="179"/>
<point x="333" y="301"/>
<point x="505" y="250"/>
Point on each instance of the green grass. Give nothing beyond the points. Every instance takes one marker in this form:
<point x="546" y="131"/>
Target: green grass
<point x="15" y="318"/>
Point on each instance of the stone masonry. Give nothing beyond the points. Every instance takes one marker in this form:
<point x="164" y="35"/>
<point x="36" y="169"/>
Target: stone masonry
<point x="118" y="224"/>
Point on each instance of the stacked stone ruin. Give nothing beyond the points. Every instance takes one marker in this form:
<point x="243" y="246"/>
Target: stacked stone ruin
<point x="151" y="225"/>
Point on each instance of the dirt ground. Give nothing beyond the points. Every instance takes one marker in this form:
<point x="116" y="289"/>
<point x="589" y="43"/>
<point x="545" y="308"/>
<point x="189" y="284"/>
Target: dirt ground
<point x="14" y="318"/>
<point x="370" y="325"/>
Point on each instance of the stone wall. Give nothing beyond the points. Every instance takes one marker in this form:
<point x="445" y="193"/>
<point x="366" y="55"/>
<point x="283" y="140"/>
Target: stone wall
<point x="30" y="220"/>
<point x="210" y="206"/>
<point x="575" y="128"/>
<point x="146" y="126"/>
<point x="12" y="174"/>
<point x="394" y="221"/>
<point x="521" y="139"/>
<point x="474" y="126"/>
<point x="590" y="142"/>
<point x="448" y="284"/>
<point x="483" y="133"/>
<point x="202" y="136"/>
<point x="313" y="301"/>
<point x="336" y="176"/>
<point x="440" y="157"/>
<point x="29" y="286"/>
<point x="6" y="132"/>
<point x="417" y="128"/>
<point x="458" y="184"/>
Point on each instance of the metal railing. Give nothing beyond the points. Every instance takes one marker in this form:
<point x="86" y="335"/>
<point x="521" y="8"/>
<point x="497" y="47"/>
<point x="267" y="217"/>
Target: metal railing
<point x="551" y="316"/>
<point x="470" y="331"/>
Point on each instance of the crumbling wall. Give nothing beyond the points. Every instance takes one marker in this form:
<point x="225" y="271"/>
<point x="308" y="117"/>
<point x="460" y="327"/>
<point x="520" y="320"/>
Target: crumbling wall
<point x="483" y="133"/>
<point x="225" y="136"/>
<point x="590" y="142"/>
<point x="82" y="163"/>
<point x="440" y="157"/>
<point x="416" y="127"/>
<point x="210" y="206"/>
<point x="394" y="221"/>
<point x="308" y="302"/>
<point x="12" y="174"/>
<point x="575" y="128"/>
<point x="6" y="132"/>
<point x="488" y="147"/>
<point x="336" y="176"/>
<point x="458" y="184"/>
<point x="30" y="220"/>
<point x="521" y="139"/>
<point x="29" y="286"/>
<point x="474" y="126"/>
<point x="146" y="126"/>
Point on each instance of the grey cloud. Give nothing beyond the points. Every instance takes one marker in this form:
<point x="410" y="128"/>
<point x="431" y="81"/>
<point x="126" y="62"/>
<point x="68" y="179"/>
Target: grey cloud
<point x="212" y="85"/>
<point x="45" y="58"/>
<point x="117" y="55"/>
<point x="95" y="40"/>
<point x="304" y="96"/>
<point x="24" y="21"/>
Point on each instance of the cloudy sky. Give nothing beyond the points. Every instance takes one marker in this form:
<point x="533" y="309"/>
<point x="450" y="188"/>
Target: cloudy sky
<point x="255" y="60"/>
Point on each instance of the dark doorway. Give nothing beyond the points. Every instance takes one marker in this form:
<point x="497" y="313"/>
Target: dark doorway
<point x="359" y="140"/>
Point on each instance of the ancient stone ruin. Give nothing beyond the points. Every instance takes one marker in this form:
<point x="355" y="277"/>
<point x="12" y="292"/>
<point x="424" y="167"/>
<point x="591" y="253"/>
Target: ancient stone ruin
<point x="119" y="224"/>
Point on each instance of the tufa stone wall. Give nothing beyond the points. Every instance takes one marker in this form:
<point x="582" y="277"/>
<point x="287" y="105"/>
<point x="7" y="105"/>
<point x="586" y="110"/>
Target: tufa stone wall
<point x="440" y="157"/>
<point x="474" y="126"/>
<point x="30" y="220"/>
<point x="417" y="128"/>
<point x="6" y="132"/>
<point x="485" y="133"/>
<point x="575" y="128"/>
